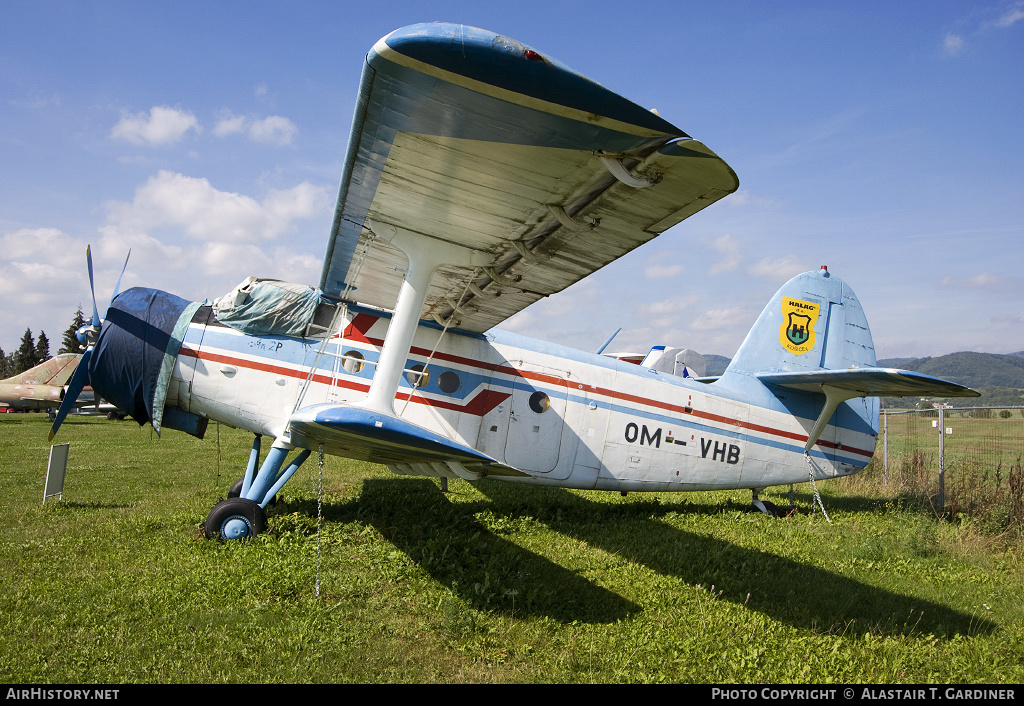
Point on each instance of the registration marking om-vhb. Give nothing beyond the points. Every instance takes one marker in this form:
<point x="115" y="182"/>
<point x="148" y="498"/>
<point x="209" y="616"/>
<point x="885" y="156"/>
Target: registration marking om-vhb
<point x="716" y="450"/>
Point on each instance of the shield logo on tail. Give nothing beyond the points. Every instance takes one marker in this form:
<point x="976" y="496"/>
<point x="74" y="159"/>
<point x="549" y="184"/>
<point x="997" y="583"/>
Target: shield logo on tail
<point x="797" y="331"/>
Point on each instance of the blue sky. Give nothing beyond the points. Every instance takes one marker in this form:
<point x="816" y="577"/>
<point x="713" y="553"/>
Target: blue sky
<point x="881" y="139"/>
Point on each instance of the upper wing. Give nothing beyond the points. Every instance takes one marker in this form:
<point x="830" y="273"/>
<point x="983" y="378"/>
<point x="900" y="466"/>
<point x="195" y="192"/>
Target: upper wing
<point x="469" y="137"/>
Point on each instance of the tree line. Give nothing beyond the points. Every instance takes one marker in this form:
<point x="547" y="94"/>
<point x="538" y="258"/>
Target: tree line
<point x="34" y="351"/>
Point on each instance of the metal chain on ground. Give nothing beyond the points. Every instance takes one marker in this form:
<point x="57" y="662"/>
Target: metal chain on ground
<point x="810" y="469"/>
<point x="319" y="511"/>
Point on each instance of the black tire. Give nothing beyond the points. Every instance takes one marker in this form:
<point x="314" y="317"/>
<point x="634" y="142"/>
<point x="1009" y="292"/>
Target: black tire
<point x="235" y="518"/>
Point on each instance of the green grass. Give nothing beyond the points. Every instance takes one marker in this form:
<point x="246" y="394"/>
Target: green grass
<point x="491" y="582"/>
<point x="975" y="439"/>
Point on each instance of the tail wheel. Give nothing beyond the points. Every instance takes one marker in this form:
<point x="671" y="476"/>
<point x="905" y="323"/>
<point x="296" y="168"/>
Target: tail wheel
<point x="235" y="518"/>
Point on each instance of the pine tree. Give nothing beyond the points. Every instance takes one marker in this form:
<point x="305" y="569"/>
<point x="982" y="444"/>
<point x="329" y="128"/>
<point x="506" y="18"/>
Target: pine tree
<point x="3" y="365"/>
<point x="71" y="344"/>
<point x="42" y="348"/>
<point x="25" y="357"/>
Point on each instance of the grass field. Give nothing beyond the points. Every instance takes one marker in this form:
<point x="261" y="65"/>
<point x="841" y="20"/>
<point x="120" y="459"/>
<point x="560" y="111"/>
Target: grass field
<point x="983" y="471"/>
<point x="977" y="440"/>
<point x="490" y="582"/>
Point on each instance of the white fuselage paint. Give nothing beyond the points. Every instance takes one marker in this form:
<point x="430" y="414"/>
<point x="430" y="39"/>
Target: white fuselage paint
<point x="597" y="423"/>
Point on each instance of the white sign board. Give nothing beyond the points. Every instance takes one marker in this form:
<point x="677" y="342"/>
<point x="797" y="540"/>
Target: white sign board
<point x="55" y="471"/>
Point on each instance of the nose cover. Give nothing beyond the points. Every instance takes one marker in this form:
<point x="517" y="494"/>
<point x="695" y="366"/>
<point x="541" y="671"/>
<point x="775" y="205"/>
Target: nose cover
<point x="134" y="355"/>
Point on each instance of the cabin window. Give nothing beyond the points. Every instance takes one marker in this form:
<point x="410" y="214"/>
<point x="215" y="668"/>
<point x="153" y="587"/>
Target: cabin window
<point x="449" y="381"/>
<point x="323" y="317"/>
<point x="539" y="402"/>
<point x="417" y="376"/>
<point x="352" y="362"/>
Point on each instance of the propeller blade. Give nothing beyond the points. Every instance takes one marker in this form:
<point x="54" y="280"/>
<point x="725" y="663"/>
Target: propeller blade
<point x="117" y="287"/>
<point x="92" y="288"/>
<point x="75" y="386"/>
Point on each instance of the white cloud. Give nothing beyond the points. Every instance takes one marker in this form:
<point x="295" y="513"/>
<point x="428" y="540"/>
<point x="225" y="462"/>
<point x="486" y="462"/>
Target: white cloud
<point x="190" y="238"/>
<point x="273" y="130"/>
<point x="43" y="272"/>
<point x="743" y="198"/>
<point x="715" y="319"/>
<point x="980" y="281"/>
<point x="161" y="126"/>
<point x="229" y="124"/>
<point x="1011" y="16"/>
<point x="204" y="213"/>
<point x="674" y="305"/>
<point x="780" y="269"/>
<point x="731" y="257"/>
<point x="663" y="271"/>
<point x="953" y="44"/>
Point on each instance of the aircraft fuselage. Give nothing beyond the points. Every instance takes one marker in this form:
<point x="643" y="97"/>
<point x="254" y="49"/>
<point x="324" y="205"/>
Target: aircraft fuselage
<point x="563" y="416"/>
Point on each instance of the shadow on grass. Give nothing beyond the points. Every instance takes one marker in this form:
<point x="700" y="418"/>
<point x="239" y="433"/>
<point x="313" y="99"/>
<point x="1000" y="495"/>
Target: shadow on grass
<point x="486" y="571"/>
<point x="491" y="573"/>
<point x="794" y="593"/>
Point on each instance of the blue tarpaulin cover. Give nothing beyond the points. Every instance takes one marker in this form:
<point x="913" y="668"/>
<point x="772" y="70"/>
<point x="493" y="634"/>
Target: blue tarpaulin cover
<point x="267" y="307"/>
<point x="137" y="335"/>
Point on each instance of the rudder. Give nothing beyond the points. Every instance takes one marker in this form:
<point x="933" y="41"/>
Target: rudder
<point x="814" y="322"/>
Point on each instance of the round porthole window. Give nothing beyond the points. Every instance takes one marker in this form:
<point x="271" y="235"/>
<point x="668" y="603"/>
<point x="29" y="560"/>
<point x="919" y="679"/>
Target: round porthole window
<point x="417" y="376"/>
<point x="539" y="402"/>
<point x="352" y="362"/>
<point x="449" y="381"/>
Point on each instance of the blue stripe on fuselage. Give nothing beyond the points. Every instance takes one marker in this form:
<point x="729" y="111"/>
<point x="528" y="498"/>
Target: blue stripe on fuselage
<point x="294" y="352"/>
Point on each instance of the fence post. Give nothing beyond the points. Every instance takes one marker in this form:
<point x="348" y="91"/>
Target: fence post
<point x="885" y="449"/>
<point x="942" y="461"/>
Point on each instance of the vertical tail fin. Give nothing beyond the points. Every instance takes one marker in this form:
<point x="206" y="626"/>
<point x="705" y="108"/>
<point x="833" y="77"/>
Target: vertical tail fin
<point x="55" y="371"/>
<point x="814" y="322"/>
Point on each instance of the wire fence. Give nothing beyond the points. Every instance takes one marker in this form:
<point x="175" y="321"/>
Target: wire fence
<point x="966" y="460"/>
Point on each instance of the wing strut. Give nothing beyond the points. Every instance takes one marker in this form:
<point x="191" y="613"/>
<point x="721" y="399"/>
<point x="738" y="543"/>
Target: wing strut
<point x="834" y="396"/>
<point x="425" y="255"/>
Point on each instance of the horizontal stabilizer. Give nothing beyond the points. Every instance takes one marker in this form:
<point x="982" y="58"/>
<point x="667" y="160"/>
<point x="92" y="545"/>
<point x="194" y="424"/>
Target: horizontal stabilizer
<point x="869" y="382"/>
<point x="380" y="438"/>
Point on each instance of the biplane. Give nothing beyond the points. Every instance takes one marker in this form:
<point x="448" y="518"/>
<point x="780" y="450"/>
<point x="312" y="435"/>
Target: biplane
<point x="481" y="176"/>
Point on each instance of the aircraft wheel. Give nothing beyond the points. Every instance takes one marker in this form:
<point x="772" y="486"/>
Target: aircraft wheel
<point x="235" y="518"/>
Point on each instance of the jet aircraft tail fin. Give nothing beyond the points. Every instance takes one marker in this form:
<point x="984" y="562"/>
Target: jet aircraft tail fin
<point x="55" y="371"/>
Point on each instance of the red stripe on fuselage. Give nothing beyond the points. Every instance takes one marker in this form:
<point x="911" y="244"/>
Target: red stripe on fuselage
<point x="363" y="322"/>
<point x="481" y="404"/>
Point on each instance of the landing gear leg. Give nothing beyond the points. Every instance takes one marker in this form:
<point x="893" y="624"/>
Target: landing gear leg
<point x="768" y="508"/>
<point x="242" y="514"/>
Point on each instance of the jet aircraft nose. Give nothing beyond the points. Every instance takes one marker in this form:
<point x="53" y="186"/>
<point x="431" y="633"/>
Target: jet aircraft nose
<point x="134" y="355"/>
